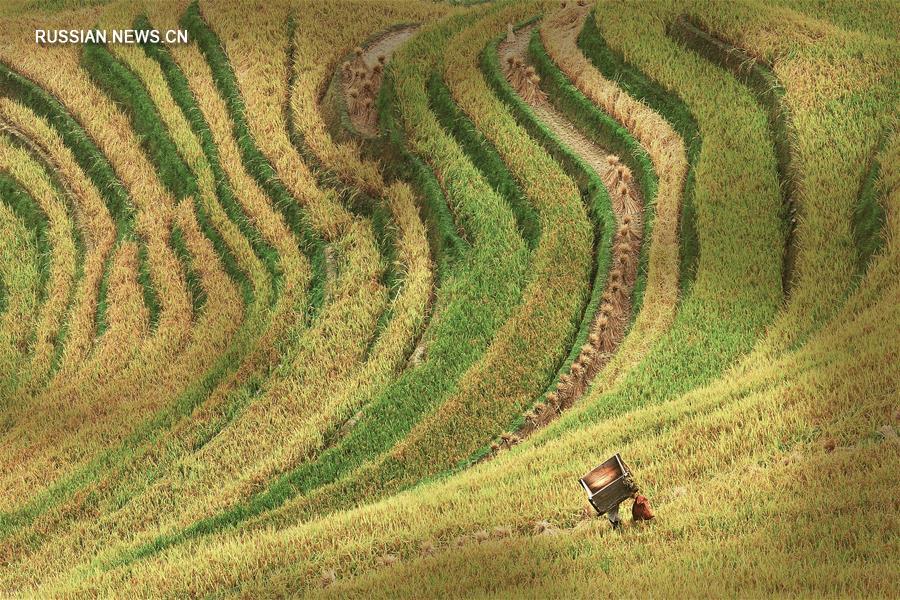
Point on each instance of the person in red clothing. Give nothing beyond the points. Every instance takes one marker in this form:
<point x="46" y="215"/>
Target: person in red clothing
<point x="640" y="510"/>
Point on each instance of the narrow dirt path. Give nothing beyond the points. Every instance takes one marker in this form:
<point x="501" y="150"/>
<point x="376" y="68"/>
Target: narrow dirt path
<point x="362" y="76"/>
<point x="610" y="323"/>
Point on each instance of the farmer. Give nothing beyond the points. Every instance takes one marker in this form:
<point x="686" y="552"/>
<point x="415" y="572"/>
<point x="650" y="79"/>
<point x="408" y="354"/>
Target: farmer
<point x="613" y="517"/>
<point x="640" y="511"/>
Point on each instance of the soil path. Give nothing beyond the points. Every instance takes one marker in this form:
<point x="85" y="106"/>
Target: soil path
<point x="362" y="79"/>
<point x="610" y="323"/>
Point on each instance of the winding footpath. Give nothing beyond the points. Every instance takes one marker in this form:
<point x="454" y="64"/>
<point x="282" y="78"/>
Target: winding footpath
<point x="362" y="77"/>
<point x="610" y="323"/>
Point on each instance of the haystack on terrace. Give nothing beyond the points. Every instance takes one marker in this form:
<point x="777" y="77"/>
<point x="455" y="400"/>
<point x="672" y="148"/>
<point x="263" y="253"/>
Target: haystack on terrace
<point x="115" y="36"/>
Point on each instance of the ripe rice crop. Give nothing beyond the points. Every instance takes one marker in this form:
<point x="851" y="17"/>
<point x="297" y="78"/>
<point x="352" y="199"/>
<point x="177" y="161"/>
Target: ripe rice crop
<point x="665" y="148"/>
<point x="340" y="299"/>
<point x="21" y="284"/>
<point x="59" y="245"/>
<point x="93" y="217"/>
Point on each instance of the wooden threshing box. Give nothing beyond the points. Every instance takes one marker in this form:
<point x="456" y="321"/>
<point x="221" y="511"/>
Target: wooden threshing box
<point x="608" y="485"/>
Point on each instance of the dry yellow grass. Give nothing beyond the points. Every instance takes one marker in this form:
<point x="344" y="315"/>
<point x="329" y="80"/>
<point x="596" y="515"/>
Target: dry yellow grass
<point x="217" y="324"/>
<point x="129" y="318"/>
<point x="389" y="348"/>
<point x="559" y="32"/>
<point x="766" y="475"/>
<point x="176" y="124"/>
<point x="338" y="337"/>
<point x="111" y="130"/>
<point x="271" y="224"/>
<point x="18" y="163"/>
<point x="264" y="88"/>
<point x="19" y="272"/>
<point x="94" y="218"/>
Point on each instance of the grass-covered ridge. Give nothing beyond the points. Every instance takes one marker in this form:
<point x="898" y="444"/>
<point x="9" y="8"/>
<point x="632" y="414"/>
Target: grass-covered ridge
<point x="94" y="165"/>
<point x="259" y="166"/>
<point x="670" y="107"/>
<point x="340" y="299"/>
<point x="770" y="94"/>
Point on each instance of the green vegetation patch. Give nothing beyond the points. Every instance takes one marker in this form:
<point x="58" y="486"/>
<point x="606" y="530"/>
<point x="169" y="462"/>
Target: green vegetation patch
<point x="610" y="134"/>
<point x="101" y="173"/>
<point x="445" y="236"/>
<point x="484" y="156"/>
<point x="195" y="287"/>
<point x="672" y="108"/>
<point x="27" y="209"/>
<point x="869" y="216"/>
<point x="309" y="242"/>
<point x="770" y="94"/>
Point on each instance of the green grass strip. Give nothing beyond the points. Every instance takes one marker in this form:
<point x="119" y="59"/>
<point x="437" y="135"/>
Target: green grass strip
<point x="475" y="302"/>
<point x="195" y="287"/>
<point x="446" y="235"/>
<point x="483" y="155"/>
<point x="667" y="104"/>
<point x="610" y="135"/>
<point x="257" y="164"/>
<point x="869" y="216"/>
<point x="181" y="92"/>
<point x="27" y="209"/>
<point x="769" y="93"/>
<point x="15" y="196"/>
<point x="101" y="173"/>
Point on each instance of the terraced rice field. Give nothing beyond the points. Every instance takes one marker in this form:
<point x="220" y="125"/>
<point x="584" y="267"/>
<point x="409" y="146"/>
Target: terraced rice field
<point x="341" y="299"/>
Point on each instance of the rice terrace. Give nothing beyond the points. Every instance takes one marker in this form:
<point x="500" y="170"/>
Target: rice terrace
<point x="460" y="299"/>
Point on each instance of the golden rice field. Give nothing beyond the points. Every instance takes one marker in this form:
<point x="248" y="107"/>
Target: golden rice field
<point x="341" y="298"/>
